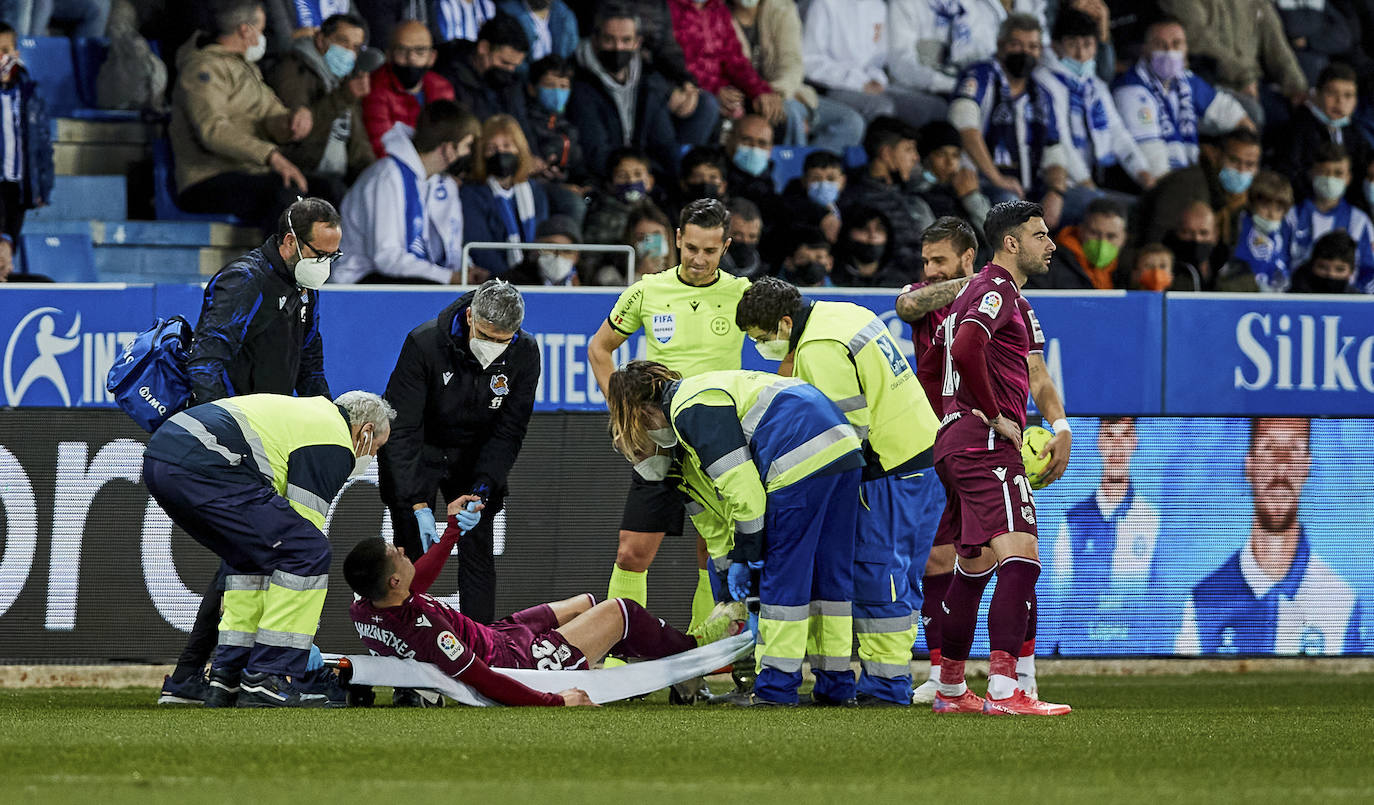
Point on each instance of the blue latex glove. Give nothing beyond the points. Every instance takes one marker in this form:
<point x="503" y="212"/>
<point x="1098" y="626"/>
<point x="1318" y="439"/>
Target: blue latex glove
<point x="469" y="517"/>
<point x="429" y="533"/>
<point x="315" y="661"/>
<point x="737" y="578"/>
<point x="754" y="624"/>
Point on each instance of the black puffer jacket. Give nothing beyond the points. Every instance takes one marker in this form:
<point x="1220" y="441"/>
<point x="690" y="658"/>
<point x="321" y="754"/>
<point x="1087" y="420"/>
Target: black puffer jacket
<point x="453" y="417"/>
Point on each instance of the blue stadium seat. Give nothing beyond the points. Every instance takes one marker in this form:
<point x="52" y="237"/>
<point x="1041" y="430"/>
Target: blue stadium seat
<point x="65" y="258"/>
<point x="88" y="54"/>
<point x="787" y="164"/>
<point x="165" y="190"/>
<point x="855" y="157"/>
<point x="49" y="59"/>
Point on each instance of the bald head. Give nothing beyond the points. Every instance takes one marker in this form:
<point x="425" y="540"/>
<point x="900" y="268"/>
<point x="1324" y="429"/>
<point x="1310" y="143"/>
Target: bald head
<point x="412" y="53"/>
<point x="410" y="33"/>
<point x="1198" y="223"/>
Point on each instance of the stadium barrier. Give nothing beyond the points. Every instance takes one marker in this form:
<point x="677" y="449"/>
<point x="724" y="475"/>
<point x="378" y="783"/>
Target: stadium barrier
<point x="93" y="571"/>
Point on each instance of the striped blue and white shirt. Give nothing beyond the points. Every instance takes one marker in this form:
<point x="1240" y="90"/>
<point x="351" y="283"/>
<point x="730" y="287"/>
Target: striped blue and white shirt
<point x="11" y="135"/>
<point x="458" y="19"/>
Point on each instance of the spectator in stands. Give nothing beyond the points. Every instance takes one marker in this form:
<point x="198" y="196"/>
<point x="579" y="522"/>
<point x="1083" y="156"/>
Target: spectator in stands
<point x="503" y="203"/>
<point x="1004" y="111"/>
<point x="1093" y="126"/>
<point x="649" y="231"/>
<point x="706" y="32"/>
<point x="555" y="141"/>
<point x="1220" y="185"/>
<point x="629" y="185"/>
<point x="1200" y="259"/>
<point x="1327" y="209"/>
<point x="403" y="219"/>
<point x="705" y="174"/>
<point x="84" y="18"/>
<point x="808" y="261"/>
<point x="813" y="199"/>
<point x="402" y="87"/>
<point x="885" y="184"/>
<point x="863" y="258"/>
<point x="228" y="127"/>
<point x="483" y="72"/>
<point x="1326" y="118"/>
<point x="1331" y="268"/>
<point x="292" y="20"/>
<point x="455" y="20"/>
<point x="618" y="100"/>
<point x="1154" y="269"/>
<point x="845" y="47"/>
<point x="549" y="24"/>
<point x="318" y="73"/>
<point x="25" y="147"/>
<point x="557" y="268"/>
<point x="1266" y="233"/>
<point x="1165" y="106"/>
<point x="1088" y="253"/>
<point x="750" y="148"/>
<point x="743" y="258"/>
<point x="947" y="184"/>
<point x="1319" y="31"/>
<point x="770" y="32"/>
<point x="1244" y="45"/>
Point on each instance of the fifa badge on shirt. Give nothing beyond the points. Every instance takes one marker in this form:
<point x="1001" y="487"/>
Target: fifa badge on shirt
<point x="448" y="643"/>
<point x="664" y="326"/>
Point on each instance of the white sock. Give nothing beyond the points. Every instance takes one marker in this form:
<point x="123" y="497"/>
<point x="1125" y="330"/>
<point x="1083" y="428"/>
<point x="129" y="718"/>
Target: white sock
<point x="952" y="691"/>
<point x="1000" y="687"/>
<point x="934" y="673"/>
<point x="1025" y="666"/>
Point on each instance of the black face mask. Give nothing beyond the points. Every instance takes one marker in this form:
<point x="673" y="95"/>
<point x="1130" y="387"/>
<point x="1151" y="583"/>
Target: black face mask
<point x="866" y="252"/>
<point x="1192" y="252"/>
<point x="461" y="166"/>
<point x="696" y="190"/>
<point x="1018" y="65"/>
<point x="807" y="274"/>
<point x="408" y="75"/>
<point x="746" y="259"/>
<point x="497" y="78"/>
<point x="503" y="165"/>
<point x="1306" y="281"/>
<point x="613" y="61"/>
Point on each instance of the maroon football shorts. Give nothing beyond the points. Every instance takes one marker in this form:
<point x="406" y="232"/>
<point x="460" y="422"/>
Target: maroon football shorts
<point x="529" y="639"/>
<point x="986" y="495"/>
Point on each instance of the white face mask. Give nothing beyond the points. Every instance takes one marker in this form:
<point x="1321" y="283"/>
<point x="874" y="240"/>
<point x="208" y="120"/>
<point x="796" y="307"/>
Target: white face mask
<point x="310" y="272"/>
<point x="486" y="352"/>
<point x="772" y="350"/>
<point x="255" y="53"/>
<point x="554" y="268"/>
<point x="654" y="468"/>
<point x="663" y="437"/>
<point x="361" y="463"/>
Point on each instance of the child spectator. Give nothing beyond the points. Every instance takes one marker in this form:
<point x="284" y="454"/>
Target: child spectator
<point x="813" y="198"/>
<point x="947" y="184"/>
<point x="1331" y="268"/>
<point x="631" y="183"/>
<point x="503" y="203"/>
<point x="863" y="256"/>
<point x="650" y="232"/>
<point x="550" y="267"/>
<point x="1327" y="209"/>
<point x="555" y="140"/>
<point x="1154" y="269"/>
<point x="1326" y="118"/>
<point x="26" y="160"/>
<point x="808" y="262"/>
<point x="1266" y="233"/>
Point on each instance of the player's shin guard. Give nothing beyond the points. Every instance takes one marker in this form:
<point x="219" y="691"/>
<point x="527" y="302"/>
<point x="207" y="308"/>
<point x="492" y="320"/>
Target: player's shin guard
<point x="1008" y="616"/>
<point x="703" y="599"/>
<point x="244" y="597"/>
<point x="961" y="620"/>
<point x="647" y="637"/>
<point x="290" y="616"/>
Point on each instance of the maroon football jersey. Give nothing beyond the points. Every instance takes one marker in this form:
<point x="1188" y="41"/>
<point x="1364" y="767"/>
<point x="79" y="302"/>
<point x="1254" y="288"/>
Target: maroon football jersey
<point x="423" y="628"/>
<point x="992" y="301"/>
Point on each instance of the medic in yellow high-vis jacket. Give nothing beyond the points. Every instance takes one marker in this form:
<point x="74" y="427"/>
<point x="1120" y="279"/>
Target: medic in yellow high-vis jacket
<point x="251" y="478"/>
<point x="786" y="465"/>
<point x="847" y="352"/>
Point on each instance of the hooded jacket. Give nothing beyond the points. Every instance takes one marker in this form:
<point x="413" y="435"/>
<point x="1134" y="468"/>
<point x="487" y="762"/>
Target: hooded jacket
<point x="301" y="78"/>
<point x="453" y="417"/>
<point x="399" y="222"/>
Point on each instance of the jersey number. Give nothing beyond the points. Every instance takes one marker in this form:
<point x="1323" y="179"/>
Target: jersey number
<point x="951" y="376"/>
<point x="550" y="657"/>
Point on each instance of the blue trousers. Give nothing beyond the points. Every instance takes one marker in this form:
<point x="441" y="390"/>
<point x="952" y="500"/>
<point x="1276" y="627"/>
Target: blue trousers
<point x="927" y="506"/>
<point x="268" y="547"/>
<point x="806" y="587"/>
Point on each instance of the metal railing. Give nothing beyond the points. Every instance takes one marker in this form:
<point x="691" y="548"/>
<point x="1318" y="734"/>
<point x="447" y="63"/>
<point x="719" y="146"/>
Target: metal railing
<point x="628" y="251"/>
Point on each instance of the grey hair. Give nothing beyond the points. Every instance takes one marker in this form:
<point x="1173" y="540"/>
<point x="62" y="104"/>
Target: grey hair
<point x="1020" y="21"/>
<point x="230" y="14"/>
<point x="364" y="408"/>
<point x="499" y="304"/>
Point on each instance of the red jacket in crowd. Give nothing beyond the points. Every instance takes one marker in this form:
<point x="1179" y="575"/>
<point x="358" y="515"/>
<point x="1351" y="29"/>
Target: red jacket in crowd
<point x="714" y="54"/>
<point x="389" y="102"/>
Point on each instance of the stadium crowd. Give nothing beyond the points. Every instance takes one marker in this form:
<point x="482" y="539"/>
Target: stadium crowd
<point x="1219" y="145"/>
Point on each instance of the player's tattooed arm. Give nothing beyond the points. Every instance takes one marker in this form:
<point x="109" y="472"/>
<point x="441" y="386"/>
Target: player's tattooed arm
<point x="914" y="305"/>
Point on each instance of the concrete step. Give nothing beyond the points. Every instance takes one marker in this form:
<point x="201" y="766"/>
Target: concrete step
<point x="85" y="197"/>
<point x="151" y="233"/>
<point x="97" y="159"/>
<point x="72" y="130"/>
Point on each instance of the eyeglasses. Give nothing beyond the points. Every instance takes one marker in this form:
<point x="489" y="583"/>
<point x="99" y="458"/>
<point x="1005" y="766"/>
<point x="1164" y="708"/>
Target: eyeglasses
<point x="420" y="51"/>
<point x="330" y="256"/>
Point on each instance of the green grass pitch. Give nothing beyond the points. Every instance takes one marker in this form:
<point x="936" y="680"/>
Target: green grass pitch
<point x="1263" y="737"/>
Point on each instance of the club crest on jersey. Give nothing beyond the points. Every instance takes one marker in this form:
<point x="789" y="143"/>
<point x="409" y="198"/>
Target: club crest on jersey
<point x="991" y="304"/>
<point x="448" y="643"/>
<point x="664" y="325"/>
<point x="500" y="385"/>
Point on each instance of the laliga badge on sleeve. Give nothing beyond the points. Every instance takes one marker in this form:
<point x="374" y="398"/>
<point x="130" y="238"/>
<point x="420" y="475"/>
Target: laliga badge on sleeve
<point x="664" y="326"/>
<point x="448" y="643"/>
<point x="991" y="304"/>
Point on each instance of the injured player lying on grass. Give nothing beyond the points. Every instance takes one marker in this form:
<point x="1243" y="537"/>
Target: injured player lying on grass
<point x="395" y="617"/>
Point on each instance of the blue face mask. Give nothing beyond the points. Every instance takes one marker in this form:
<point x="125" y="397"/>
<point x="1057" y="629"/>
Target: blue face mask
<point x="823" y="193"/>
<point x="1079" y="69"/>
<point x="340" y="60"/>
<point x="751" y="160"/>
<point x="1233" y="181"/>
<point x="554" y="99"/>
<point x="1326" y="121"/>
<point x="631" y="192"/>
<point x="929" y="177"/>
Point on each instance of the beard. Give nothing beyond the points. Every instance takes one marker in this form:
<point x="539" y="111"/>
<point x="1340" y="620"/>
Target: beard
<point x="1277" y="511"/>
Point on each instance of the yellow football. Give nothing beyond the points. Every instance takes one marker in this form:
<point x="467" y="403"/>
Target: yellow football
<point x="1033" y="442"/>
